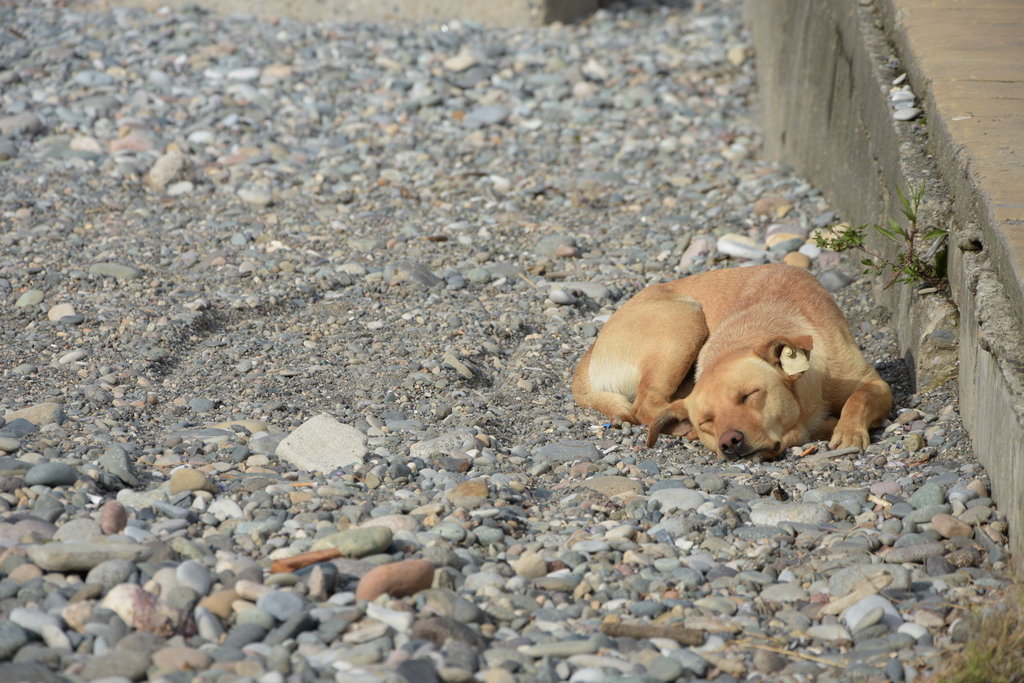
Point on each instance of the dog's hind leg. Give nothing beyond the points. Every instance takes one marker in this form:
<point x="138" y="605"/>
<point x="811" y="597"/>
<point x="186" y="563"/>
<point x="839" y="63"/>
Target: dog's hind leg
<point x="614" y="406"/>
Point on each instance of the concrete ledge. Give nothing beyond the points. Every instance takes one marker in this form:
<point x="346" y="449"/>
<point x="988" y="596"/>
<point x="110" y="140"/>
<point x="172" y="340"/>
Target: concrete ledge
<point x="504" y="13"/>
<point x="825" y="68"/>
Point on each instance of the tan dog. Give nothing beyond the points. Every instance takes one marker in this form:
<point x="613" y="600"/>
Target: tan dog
<point x="750" y="360"/>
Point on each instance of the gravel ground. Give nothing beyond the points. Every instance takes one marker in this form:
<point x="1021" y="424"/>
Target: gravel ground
<point x="268" y="288"/>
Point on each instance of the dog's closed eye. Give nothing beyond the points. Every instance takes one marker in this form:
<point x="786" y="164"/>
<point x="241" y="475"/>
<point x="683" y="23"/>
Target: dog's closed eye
<point x="747" y="396"/>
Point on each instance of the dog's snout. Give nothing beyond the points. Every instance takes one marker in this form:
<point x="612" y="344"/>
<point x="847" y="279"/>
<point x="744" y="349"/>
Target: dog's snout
<point x="730" y="442"/>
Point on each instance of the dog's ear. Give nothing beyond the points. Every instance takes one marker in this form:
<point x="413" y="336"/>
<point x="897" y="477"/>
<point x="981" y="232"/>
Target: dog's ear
<point x="675" y="421"/>
<point x="791" y="354"/>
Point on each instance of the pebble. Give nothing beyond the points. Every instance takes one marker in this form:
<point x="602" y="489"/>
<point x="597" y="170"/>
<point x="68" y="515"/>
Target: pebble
<point x="51" y="474"/>
<point x="397" y="579"/>
<point x="31" y="297"/>
<point x="803" y="513"/>
<point x="950" y="527"/>
<point x="270" y="300"/>
<point x="322" y="444"/>
<point x="186" y="479"/>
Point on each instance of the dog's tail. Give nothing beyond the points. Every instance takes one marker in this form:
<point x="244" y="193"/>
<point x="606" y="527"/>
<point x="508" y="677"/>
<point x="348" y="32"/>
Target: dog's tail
<point x="673" y="420"/>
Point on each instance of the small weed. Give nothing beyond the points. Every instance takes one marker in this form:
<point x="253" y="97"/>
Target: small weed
<point x="908" y="268"/>
<point x="995" y="654"/>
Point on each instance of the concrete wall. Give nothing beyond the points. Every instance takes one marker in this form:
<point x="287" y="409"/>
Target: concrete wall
<point x="492" y="13"/>
<point x="824" y="69"/>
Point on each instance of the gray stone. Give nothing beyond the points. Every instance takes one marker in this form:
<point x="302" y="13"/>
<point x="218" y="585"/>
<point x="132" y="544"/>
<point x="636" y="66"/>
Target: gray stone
<point x="77" y="557"/>
<point x="445" y="443"/>
<point x="647" y="608"/>
<point x="929" y="494"/>
<point x="710" y="483"/>
<point x="567" y="451"/>
<point x="665" y="669"/>
<point x="564" y="648"/>
<point x="280" y="604"/>
<point x="784" y="592"/>
<point x="834" y="280"/>
<point x="487" y="115"/>
<point x="116" y="271"/>
<point x="194" y="575"/>
<point x="52" y="474"/>
<point x="110" y="573"/>
<point x="119" y="461"/>
<point x="78" y="529"/>
<point x="358" y="543"/>
<point x="845" y="579"/>
<point x="691" y="661"/>
<point x="12" y="638"/>
<point x="31" y="297"/>
<point x="412" y="272"/>
<point x="41" y="414"/>
<point x="915" y="553"/>
<point x="25" y="123"/>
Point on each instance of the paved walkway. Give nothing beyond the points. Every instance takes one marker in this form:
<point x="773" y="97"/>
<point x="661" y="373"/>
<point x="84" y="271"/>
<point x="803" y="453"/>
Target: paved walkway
<point x="972" y="55"/>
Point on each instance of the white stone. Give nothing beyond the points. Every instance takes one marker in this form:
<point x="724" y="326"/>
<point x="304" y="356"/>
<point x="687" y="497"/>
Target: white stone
<point x="913" y="630"/>
<point x="55" y="637"/>
<point x="810" y="250"/>
<point x="225" y="508"/>
<point x="682" y="499"/>
<point x="59" y="311"/>
<point x="201" y="137"/>
<point x="322" y="444"/>
<point x="248" y="73"/>
<point x="462" y="61"/>
<point x="741" y="250"/>
<point x="180" y="188"/>
<point x="255" y="197"/>
<point x="33" y="620"/>
<point x="906" y="114"/>
<point x="400" y="621"/>
<point x="857" y="611"/>
<point x="802" y="513"/>
<point x="71" y="357"/>
<point x="829" y="632"/>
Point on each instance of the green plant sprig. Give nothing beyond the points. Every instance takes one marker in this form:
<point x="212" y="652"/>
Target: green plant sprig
<point x="908" y="268"/>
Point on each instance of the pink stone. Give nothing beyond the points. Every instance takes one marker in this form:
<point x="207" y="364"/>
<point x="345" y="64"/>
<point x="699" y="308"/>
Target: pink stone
<point x="950" y="527"/>
<point x="181" y="658"/>
<point x="397" y="579"/>
<point x="133" y="142"/>
<point x="828" y="259"/>
<point x="700" y="246"/>
<point x="142" y="611"/>
<point x="77" y="615"/>
<point x="25" y="572"/>
<point x="886" y="488"/>
<point x="113" y="517"/>
<point x="250" y="590"/>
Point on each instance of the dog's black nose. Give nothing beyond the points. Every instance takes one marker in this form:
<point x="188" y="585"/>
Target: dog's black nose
<point x="730" y="442"/>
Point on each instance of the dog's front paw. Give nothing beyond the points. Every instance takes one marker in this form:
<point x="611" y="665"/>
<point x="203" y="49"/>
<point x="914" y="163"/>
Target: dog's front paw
<point x="623" y="418"/>
<point x="849" y="436"/>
